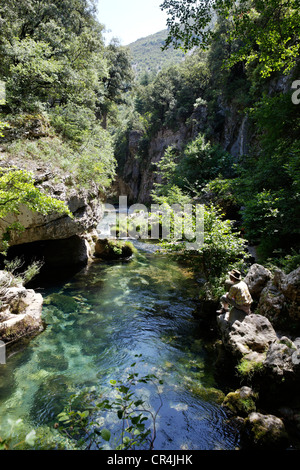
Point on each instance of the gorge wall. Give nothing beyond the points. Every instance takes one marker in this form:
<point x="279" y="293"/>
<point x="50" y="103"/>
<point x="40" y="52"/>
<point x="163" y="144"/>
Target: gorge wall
<point x="137" y="176"/>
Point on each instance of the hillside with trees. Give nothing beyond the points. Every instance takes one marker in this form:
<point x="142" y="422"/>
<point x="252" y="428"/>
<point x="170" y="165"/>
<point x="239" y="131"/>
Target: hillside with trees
<point x="229" y="110"/>
<point x="59" y="83"/>
<point x="148" y="56"/>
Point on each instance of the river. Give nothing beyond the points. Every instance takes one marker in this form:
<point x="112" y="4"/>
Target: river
<point x="95" y="325"/>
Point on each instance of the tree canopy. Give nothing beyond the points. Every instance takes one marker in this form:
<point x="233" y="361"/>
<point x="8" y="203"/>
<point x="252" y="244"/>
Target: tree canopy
<point x="263" y="31"/>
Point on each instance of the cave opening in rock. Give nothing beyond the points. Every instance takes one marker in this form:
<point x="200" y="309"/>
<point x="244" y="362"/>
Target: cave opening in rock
<point x="60" y="259"/>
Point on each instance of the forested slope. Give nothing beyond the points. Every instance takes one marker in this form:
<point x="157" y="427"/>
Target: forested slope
<point x="148" y="56"/>
<point x="60" y="85"/>
<point x="223" y="127"/>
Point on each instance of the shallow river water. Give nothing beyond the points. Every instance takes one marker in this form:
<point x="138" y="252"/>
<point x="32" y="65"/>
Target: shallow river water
<point x="95" y="325"/>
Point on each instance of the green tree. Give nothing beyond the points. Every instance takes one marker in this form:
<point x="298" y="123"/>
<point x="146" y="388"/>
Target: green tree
<point x="17" y="188"/>
<point x="118" y="81"/>
<point x="50" y="51"/>
<point x="263" y="31"/>
<point x="268" y="180"/>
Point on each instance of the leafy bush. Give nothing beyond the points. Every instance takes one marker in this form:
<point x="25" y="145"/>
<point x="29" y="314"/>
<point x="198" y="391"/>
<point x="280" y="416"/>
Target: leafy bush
<point x="90" y="161"/>
<point x="79" y="419"/>
<point x="17" y="187"/>
<point x="222" y="248"/>
<point x="189" y="171"/>
<point x="14" y="267"/>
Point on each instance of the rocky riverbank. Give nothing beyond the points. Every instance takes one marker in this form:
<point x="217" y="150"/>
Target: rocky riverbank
<point x="20" y="309"/>
<point x="56" y="242"/>
<point x="263" y="350"/>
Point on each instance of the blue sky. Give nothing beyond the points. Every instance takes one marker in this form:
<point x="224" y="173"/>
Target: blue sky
<point x="129" y="20"/>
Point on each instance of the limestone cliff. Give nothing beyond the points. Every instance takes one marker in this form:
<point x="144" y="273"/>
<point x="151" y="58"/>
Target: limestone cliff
<point x="54" y="229"/>
<point x="136" y="178"/>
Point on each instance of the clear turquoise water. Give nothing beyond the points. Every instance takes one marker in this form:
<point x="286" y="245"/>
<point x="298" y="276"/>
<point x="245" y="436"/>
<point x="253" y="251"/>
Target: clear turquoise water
<point x="95" y="325"/>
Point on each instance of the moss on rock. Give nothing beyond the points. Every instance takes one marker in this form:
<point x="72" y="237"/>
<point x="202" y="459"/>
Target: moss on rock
<point x="241" y="402"/>
<point x="210" y="394"/>
<point x="114" y="249"/>
<point x="265" y="430"/>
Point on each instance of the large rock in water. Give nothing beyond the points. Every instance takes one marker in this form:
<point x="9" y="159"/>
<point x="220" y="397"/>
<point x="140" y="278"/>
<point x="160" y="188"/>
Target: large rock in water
<point x="113" y="249"/>
<point x="266" y="431"/>
<point x="253" y="334"/>
<point x="20" y="313"/>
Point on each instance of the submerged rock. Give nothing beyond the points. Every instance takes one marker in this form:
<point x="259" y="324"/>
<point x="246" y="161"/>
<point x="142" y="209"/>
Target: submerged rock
<point x="63" y="302"/>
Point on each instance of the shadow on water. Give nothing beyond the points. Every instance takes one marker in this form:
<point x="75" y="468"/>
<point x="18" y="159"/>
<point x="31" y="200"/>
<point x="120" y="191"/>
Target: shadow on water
<point x="97" y="320"/>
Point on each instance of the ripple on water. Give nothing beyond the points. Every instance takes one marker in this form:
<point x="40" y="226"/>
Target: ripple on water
<point x="96" y="324"/>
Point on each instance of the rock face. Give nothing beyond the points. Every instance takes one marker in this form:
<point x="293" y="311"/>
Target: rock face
<point x="280" y="299"/>
<point x="256" y="347"/>
<point x="256" y="279"/>
<point x="69" y="234"/>
<point x="85" y="206"/>
<point x="253" y="334"/>
<point x="283" y="359"/>
<point x="20" y="313"/>
<point x="137" y="177"/>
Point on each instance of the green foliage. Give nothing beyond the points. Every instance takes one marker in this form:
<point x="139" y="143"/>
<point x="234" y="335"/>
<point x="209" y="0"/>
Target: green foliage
<point x="264" y="32"/>
<point x="202" y="162"/>
<point x="169" y="99"/>
<point x="24" y="277"/>
<point x="26" y="443"/>
<point x="268" y="180"/>
<point x="3" y="125"/>
<point x="79" y="420"/>
<point x="222" y="247"/>
<point x="120" y="75"/>
<point x="287" y="263"/>
<point x="50" y="52"/>
<point x="247" y="368"/>
<point x="17" y="188"/>
<point x="188" y="171"/>
<point x="88" y="158"/>
<point x="222" y="192"/>
<point x="57" y="70"/>
<point x="148" y="58"/>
